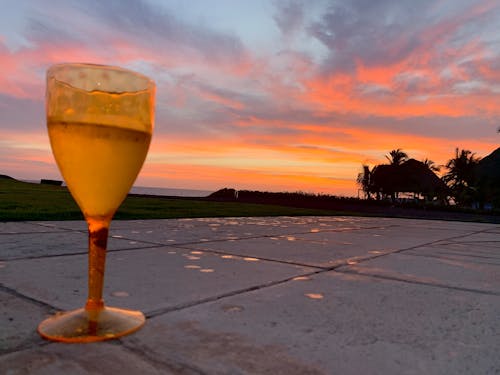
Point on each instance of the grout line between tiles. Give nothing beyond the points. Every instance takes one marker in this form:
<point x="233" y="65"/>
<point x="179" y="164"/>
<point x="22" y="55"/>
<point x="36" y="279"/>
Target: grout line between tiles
<point x="24" y="297"/>
<point x="158" y="312"/>
<point x="417" y="282"/>
<point x="173" y="365"/>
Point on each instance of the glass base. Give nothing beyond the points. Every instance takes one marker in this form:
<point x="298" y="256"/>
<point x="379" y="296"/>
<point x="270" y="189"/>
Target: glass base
<point x="88" y="326"/>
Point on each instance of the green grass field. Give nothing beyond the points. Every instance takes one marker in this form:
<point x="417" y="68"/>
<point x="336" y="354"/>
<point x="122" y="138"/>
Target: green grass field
<point x="21" y="201"/>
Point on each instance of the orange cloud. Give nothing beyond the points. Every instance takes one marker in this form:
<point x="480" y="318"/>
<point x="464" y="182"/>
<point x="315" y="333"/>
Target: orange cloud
<point x="339" y="94"/>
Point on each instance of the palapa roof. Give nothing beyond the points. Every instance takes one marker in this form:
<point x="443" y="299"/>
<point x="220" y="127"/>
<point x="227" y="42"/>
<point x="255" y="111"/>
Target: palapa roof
<point x="412" y="176"/>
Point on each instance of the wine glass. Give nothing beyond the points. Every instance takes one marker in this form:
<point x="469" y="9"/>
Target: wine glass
<point x="100" y="121"/>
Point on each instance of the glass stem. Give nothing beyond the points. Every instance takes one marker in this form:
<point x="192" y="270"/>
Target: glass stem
<point x="98" y="239"/>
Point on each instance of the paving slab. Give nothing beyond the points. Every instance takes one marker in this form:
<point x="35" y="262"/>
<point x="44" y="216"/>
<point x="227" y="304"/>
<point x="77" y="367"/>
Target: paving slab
<point x="148" y="279"/>
<point x="18" y="319"/>
<point x="487" y="239"/>
<point x="267" y="221"/>
<point x="430" y="270"/>
<point x="468" y="261"/>
<point x="332" y="323"/>
<point x="329" y="248"/>
<point x="78" y="225"/>
<point x="443" y="224"/>
<point x="79" y="359"/>
<point x="288" y="249"/>
<point x="259" y="296"/>
<point x="289" y="224"/>
<point x="217" y="229"/>
<point x="466" y="251"/>
<point x="165" y="231"/>
<point x="43" y="244"/>
<point x="22" y="227"/>
<point x="183" y="233"/>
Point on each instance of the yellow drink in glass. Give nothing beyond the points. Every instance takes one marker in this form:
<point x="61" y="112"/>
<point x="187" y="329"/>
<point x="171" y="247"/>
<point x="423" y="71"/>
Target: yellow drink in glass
<point x="99" y="163"/>
<point x="100" y="121"/>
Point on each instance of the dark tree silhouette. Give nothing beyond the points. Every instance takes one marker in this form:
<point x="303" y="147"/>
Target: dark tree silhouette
<point x="397" y="157"/>
<point x="488" y="180"/>
<point x="461" y="176"/>
<point x="470" y="180"/>
<point x="431" y="165"/>
<point x="364" y="180"/>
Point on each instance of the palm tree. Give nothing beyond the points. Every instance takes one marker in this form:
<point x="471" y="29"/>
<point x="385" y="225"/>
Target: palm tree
<point x="431" y="165"/>
<point x="397" y="157"/>
<point x="460" y="175"/>
<point x="364" y="180"/>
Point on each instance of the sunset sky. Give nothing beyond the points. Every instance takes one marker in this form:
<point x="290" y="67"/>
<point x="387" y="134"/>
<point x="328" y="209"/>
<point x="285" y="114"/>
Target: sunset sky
<point x="267" y="95"/>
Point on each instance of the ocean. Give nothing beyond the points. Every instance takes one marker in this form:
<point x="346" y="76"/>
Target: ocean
<point x="158" y="191"/>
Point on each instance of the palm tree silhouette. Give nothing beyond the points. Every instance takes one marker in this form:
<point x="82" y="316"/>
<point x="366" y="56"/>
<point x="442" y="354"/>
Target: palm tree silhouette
<point x="364" y="180"/>
<point x="460" y="175"/>
<point x="431" y="165"/>
<point x="397" y="157"/>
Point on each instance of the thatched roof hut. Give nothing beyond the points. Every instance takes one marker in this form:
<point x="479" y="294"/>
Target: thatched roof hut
<point x="412" y="176"/>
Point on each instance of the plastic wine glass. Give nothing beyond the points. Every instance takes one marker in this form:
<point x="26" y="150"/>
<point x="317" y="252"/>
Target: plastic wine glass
<point x="100" y="121"/>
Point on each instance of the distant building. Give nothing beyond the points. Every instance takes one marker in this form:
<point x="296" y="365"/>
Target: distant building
<point x="50" y="182"/>
<point x="412" y="176"/>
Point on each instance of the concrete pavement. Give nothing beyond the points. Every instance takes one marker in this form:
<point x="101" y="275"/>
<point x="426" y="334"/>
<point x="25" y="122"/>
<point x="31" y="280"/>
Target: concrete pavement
<point x="285" y="295"/>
